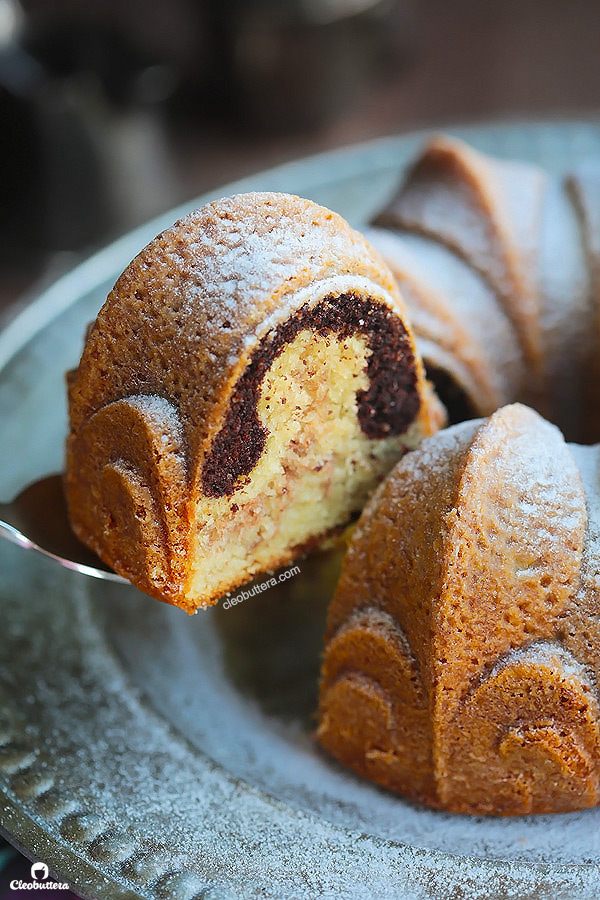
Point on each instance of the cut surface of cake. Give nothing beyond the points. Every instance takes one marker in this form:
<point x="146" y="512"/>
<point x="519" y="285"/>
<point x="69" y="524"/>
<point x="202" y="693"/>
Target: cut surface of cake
<point x="463" y="646"/>
<point x="248" y="382"/>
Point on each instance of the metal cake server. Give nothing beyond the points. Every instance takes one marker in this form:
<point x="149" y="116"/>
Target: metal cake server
<point x="37" y="520"/>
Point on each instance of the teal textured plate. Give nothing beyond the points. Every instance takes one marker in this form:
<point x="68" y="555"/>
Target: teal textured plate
<point x="143" y="753"/>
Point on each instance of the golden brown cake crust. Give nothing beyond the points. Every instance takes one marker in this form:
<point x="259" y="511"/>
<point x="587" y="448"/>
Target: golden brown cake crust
<point x="532" y="238"/>
<point x="453" y="312"/>
<point x="468" y="563"/>
<point x="488" y="212"/>
<point x="156" y="384"/>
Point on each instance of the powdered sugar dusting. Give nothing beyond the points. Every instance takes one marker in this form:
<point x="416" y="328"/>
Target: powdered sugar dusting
<point x="157" y="409"/>
<point x="279" y="756"/>
<point x="588" y="463"/>
<point x="548" y="654"/>
<point x="186" y="311"/>
<point x="453" y="313"/>
<point x="273" y="816"/>
<point x="254" y="254"/>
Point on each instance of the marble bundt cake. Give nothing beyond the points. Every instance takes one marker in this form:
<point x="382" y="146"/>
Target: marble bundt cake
<point x="463" y="641"/>
<point x="248" y="382"/>
<point x="252" y="377"/>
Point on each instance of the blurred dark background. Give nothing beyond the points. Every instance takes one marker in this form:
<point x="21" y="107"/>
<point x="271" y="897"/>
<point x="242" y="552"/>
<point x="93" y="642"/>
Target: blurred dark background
<point x="114" y="110"/>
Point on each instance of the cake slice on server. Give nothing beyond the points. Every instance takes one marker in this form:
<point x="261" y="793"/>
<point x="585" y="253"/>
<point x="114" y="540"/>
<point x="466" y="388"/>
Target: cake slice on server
<point x="248" y="382"/>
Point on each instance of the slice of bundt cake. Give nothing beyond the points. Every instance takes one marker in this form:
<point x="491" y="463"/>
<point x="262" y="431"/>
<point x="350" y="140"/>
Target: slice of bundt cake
<point x="463" y="647"/>
<point x="248" y="382"/>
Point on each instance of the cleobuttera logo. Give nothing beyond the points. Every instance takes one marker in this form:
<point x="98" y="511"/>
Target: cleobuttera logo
<point x="39" y="875"/>
<point x="39" y="871"/>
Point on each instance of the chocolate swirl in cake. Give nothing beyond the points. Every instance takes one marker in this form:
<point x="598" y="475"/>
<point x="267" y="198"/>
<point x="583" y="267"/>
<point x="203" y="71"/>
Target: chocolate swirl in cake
<point x="387" y="407"/>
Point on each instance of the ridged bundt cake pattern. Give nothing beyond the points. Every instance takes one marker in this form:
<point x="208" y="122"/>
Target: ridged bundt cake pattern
<point x="248" y="382"/>
<point x="498" y="263"/>
<point x="461" y="656"/>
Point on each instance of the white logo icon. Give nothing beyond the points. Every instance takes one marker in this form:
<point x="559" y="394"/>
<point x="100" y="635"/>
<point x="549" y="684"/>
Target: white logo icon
<point x="39" y="871"/>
